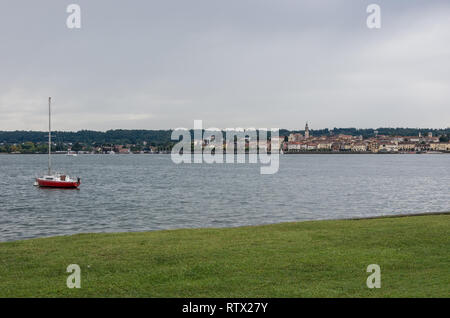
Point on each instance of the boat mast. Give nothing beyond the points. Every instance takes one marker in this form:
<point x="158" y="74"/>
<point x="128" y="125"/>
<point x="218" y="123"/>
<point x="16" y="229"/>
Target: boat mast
<point x="49" y="138"/>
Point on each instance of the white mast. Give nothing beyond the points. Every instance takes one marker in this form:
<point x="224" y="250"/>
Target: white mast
<point x="49" y="138"/>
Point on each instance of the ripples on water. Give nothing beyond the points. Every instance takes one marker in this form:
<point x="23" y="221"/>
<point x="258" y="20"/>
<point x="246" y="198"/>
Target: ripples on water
<point x="149" y="192"/>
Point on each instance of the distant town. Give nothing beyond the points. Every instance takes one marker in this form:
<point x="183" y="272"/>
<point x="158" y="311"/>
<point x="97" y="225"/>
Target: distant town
<point x="337" y="140"/>
<point x="379" y="143"/>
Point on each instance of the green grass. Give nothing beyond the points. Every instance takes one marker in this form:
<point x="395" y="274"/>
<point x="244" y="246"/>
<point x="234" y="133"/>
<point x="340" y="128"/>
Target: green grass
<point x="305" y="259"/>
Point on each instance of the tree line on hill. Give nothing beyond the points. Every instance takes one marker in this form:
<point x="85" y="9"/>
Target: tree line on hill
<point x="117" y="136"/>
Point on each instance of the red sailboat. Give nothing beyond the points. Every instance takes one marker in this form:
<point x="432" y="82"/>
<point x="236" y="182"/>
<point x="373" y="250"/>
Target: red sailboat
<point x="55" y="180"/>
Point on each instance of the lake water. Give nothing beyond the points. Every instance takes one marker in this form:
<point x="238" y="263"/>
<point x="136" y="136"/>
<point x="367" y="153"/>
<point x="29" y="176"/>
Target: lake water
<point x="149" y="192"/>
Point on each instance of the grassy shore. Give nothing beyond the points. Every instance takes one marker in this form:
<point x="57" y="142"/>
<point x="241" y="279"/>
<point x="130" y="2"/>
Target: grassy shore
<point x="305" y="259"/>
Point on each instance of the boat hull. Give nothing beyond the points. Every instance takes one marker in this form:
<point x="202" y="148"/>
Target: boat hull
<point x="58" y="184"/>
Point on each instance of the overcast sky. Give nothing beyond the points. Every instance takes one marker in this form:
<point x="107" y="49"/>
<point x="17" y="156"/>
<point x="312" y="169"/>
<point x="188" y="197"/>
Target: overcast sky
<point x="232" y="63"/>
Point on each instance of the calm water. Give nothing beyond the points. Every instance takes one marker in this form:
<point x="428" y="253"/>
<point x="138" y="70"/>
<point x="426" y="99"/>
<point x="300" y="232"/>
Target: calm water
<point x="149" y="192"/>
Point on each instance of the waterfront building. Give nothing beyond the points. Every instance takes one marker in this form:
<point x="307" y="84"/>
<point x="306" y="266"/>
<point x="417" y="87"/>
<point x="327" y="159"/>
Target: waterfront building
<point x="294" y="146"/>
<point x="440" y="146"/>
<point x="359" y="147"/>
<point x="406" y="146"/>
<point x="324" y="146"/>
<point x="295" y="137"/>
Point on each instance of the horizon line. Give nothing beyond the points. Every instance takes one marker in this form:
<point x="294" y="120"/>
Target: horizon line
<point x="169" y="129"/>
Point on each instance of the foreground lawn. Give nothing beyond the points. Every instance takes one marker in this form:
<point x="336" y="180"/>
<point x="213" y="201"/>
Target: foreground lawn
<point x="306" y="259"/>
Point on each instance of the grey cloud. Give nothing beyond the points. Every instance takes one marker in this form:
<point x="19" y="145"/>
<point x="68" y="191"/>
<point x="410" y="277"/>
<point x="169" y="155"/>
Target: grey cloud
<point x="162" y="64"/>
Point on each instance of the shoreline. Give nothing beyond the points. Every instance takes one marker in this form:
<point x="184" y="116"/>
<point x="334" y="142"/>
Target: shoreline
<point x="285" y="153"/>
<point x="238" y="227"/>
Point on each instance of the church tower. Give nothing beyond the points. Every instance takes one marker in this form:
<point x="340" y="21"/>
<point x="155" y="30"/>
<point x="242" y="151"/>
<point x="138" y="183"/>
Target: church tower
<point x="306" y="131"/>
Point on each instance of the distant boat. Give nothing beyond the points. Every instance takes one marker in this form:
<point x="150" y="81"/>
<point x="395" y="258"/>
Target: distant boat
<point x="71" y="154"/>
<point x="55" y="180"/>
